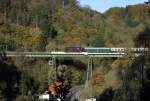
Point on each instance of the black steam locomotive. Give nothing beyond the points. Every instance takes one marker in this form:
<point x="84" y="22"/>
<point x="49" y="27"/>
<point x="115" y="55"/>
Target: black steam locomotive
<point x="74" y="49"/>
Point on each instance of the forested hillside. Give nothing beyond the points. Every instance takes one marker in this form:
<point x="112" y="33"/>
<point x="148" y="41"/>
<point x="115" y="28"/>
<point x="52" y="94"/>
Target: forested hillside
<point x="52" y="25"/>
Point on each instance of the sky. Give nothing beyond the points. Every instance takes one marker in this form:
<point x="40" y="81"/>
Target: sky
<point x="103" y="5"/>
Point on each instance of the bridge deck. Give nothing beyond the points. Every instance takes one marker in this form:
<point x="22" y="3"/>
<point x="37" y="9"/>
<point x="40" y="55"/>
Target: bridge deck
<point x="62" y="54"/>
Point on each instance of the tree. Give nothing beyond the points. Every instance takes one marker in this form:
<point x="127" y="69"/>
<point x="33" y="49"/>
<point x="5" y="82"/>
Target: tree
<point x="28" y="37"/>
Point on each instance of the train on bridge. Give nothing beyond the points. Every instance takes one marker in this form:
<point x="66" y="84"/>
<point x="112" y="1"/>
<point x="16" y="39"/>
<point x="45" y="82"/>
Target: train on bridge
<point x="104" y="50"/>
<point x="80" y="52"/>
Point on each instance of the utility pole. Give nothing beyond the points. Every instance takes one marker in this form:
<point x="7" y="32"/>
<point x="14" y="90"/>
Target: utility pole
<point x="148" y="11"/>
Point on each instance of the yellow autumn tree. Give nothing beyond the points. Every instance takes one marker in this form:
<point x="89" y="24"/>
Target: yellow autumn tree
<point x="98" y="81"/>
<point x="28" y="37"/>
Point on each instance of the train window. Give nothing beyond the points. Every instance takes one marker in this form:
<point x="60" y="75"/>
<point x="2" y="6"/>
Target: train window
<point x="113" y="49"/>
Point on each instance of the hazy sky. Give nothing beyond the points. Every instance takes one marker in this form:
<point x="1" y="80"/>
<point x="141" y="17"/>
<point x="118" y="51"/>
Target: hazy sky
<point x="103" y="5"/>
